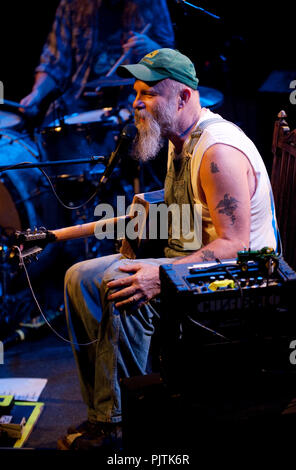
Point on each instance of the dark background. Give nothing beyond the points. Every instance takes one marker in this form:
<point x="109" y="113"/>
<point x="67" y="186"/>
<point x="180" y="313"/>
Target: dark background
<point x="235" y="55"/>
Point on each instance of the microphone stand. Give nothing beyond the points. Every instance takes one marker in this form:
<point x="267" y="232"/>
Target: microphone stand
<point x="21" y="166"/>
<point x="184" y="2"/>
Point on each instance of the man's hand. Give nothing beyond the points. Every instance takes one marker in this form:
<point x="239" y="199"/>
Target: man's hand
<point x="31" y="103"/>
<point x="138" y="288"/>
<point x="140" y="43"/>
<point x="43" y="85"/>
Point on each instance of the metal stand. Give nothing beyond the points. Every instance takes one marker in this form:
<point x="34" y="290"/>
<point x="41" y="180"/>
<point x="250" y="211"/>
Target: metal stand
<point x="7" y="301"/>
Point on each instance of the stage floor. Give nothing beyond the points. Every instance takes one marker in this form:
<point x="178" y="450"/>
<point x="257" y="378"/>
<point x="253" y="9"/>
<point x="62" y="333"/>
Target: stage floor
<point x="51" y="358"/>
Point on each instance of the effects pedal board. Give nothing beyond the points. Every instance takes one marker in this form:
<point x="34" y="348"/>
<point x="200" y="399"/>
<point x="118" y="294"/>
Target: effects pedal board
<point x="226" y="324"/>
<point x="231" y="285"/>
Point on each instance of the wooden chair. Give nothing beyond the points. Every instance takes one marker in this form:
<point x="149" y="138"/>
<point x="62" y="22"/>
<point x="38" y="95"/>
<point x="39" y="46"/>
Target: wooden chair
<point x="283" y="181"/>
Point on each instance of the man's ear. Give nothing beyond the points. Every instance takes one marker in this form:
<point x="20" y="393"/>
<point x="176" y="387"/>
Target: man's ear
<point x="184" y="97"/>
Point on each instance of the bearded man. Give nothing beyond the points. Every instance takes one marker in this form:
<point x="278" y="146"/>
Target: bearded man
<point x="111" y="301"/>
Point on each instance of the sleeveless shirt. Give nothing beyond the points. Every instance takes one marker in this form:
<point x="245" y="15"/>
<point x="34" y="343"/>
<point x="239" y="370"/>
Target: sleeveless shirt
<point x="181" y="186"/>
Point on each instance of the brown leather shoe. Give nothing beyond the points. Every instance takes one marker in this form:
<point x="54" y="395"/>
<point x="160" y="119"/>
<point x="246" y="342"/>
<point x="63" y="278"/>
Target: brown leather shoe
<point x="107" y="437"/>
<point x="85" y="426"/>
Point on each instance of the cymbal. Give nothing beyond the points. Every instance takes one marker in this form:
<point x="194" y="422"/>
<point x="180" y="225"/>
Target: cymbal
<point x="209" y="97"/>
<point x="109" y="82"/>
<point x="8" y="119"/>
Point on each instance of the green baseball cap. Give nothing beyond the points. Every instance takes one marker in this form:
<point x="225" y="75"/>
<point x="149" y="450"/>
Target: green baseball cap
<point x="161" y="64"/>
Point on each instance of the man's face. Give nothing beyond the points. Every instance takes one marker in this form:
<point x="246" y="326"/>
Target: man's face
<point x="155" y="115"/>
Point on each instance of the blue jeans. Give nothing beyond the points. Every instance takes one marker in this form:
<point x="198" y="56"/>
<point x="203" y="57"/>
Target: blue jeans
<point x="120" y="339"/>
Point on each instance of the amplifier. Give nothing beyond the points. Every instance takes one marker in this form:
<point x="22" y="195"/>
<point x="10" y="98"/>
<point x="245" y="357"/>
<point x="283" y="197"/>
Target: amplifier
<point x="238" y="311"/>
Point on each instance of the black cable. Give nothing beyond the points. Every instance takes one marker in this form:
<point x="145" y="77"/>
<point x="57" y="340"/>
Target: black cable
<point x="201" y="325"/>
<point x="19" y="165"/>
<point x="60" y="200"/>
<point x="40" y="309"/>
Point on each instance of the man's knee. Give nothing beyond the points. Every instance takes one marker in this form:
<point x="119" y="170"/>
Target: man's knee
<point x="88" y="272"/>
<point x="113" y="272"/>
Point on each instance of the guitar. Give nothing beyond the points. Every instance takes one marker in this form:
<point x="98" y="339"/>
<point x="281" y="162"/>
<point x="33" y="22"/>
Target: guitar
<point x="32" y="242"/>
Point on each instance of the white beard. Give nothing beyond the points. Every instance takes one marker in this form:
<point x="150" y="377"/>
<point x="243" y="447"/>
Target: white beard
<point x="152" y="132"/>
<point x="148" y="141"/>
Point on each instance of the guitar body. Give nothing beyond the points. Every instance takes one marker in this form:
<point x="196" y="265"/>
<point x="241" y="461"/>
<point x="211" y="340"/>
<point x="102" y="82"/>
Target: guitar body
<point x="144" y="246"/>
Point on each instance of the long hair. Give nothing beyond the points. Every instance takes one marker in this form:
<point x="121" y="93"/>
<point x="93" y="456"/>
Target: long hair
<point x="136" y="13"/>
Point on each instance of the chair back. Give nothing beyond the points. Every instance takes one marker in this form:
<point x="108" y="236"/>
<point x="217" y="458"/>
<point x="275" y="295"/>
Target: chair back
<point x="283" y="181"/>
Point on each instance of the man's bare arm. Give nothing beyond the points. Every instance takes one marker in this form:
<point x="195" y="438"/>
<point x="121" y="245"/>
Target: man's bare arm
<point x="227" y="182"/>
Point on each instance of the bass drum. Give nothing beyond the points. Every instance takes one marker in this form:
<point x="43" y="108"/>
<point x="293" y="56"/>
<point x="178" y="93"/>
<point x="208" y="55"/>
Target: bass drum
<point x="25" y="200"/>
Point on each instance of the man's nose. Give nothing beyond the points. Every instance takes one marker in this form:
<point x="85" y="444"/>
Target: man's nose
<point x="138" y="104"/>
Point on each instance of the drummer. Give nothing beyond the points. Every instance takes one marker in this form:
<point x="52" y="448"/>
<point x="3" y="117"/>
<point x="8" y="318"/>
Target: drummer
<point x="86" y="39"/>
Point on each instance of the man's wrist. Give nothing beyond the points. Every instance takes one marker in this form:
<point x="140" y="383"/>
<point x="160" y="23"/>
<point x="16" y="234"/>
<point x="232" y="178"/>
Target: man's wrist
<point x="43" y="85"/>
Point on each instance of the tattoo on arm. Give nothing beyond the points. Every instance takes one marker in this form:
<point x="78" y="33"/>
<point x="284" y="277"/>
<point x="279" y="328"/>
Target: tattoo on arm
<point x="227" y="206"/>
<point x="214" y="168"/>
<point x="208" y="255"/>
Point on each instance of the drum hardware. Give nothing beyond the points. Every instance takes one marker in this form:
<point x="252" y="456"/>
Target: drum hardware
<point x="10" y="309"/>
<point x="80" y="134"/>
<point x="106" y="82"/>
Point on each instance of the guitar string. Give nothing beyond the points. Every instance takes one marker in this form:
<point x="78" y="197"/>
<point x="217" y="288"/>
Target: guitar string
<point x="74" y="343"/>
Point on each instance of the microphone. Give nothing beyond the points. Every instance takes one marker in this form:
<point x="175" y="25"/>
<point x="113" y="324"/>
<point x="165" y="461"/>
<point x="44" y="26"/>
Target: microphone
<point x="126" y="137"/>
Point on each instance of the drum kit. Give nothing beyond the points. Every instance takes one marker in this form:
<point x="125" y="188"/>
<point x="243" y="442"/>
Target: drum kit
<point x="26" y="199"/>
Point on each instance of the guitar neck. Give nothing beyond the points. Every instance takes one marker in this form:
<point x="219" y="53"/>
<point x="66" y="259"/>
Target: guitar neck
<point x="34" y="241"/>
<point x="90" y="229"/>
